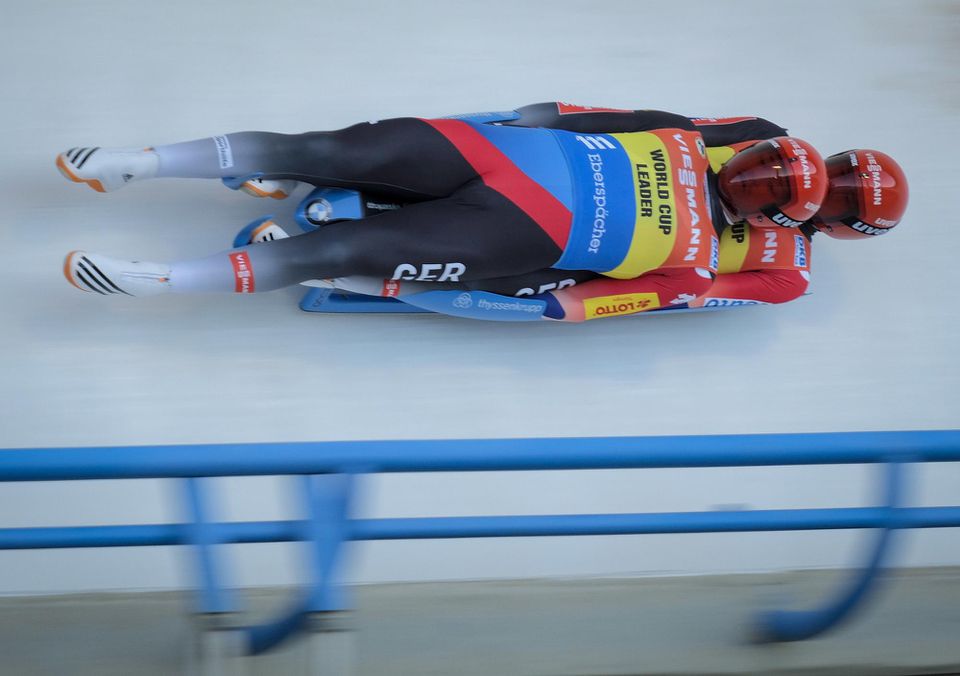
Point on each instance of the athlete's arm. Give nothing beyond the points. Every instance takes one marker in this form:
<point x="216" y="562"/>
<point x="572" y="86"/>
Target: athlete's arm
<point x="605" y="297"/>
<point x="760" y="265"/>
<point x="568" y="295"/>
<point x="716" y="131"/>
<point x="754" y="287"/>
<point x="725" y="131"/>
<point x="512" y="299"/>
<point x="592" y="298"/>
<point x="592" y="120"/>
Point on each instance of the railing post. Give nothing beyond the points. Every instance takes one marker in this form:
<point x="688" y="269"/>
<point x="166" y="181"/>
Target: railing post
<point x="331" y="648"/>
<point x="798" y="625"/>
<point x="218" y="645"/>
<point x="329" y="498"/>
<point x="323" y="608"/>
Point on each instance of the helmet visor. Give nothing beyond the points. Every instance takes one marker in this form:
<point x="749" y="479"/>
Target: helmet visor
<point x="842" y="203"/>
<point x="755" y="180"/>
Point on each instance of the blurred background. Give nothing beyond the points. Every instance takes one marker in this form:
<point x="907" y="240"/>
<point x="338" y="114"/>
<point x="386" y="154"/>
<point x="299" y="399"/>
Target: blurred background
<point x="873" y="348"/>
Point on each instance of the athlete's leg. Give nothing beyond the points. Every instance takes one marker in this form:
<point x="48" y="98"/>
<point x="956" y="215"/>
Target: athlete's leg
<point x="527" y="284"/>
<point x="474" y="234"/>
<point x="405" y="159"/>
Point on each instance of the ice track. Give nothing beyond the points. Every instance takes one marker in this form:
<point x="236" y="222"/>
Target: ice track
<point x="875" y="346"/>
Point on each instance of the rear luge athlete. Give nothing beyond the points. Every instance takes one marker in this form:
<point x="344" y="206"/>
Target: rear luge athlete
<point x="639" y="209"/>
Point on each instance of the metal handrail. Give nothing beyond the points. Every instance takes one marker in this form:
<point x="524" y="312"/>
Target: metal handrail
<point x="328" y="525"/>
<point x="467" y="455"/>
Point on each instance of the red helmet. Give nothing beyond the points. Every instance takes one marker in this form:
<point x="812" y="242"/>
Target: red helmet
<point x="867" y="196"/>
<point x="778" y="182"/>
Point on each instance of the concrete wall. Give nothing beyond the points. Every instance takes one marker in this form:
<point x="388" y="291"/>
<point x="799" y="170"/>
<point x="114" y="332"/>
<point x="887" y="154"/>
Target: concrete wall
<point x="873" y="348"/>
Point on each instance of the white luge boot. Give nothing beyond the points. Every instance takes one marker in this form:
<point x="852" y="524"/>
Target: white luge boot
<point x="267" y="231"/>
<point x="108" y="169"/>
<point x="260" y="230"/>
<point x="99" y="274"/>
<point x="278" y="189"/>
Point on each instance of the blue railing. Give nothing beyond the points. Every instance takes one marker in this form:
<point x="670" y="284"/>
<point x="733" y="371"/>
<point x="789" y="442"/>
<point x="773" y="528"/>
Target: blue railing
<point x="330" y="471"/>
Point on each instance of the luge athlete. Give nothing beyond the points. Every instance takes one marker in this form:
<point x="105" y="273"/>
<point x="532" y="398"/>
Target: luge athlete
<point x="641" y="208"/>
